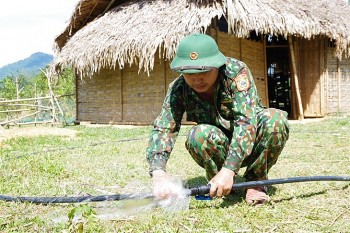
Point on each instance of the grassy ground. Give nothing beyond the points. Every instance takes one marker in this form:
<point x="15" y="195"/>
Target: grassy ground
<point x="107" y="160"/>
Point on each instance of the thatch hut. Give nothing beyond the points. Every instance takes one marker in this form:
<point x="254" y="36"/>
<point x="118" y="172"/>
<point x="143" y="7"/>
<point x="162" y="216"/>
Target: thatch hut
<point x="297" y="50"/>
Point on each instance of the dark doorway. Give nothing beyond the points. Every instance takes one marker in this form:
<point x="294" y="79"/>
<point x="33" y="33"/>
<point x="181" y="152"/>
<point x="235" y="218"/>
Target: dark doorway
<point x="278" y="73"/>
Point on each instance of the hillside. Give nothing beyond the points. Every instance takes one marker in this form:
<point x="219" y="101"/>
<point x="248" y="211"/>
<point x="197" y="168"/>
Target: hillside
<point x="28" y="67"/>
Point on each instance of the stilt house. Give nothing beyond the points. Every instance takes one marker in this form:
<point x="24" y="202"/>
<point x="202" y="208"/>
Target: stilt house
<point x="297" y="50"/>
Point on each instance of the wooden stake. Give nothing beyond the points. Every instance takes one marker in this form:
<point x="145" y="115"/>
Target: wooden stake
<point x="53" y="99"/>
<point x="296" y="81"/>
<point x="339" y="85"/>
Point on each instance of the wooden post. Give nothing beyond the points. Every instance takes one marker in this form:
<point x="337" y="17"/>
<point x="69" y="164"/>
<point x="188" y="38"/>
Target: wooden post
<point x="165" y="86"/>
<point x="266" y="77"/>
<point x="17" y="87"/>
<point x="53" y="99"/>
<point x="38" y="109"/>
<point x="339" y="85"/>
<point x="295" y="76"/>
<point x="240" y="49"/>
<point x="121" y="95"/>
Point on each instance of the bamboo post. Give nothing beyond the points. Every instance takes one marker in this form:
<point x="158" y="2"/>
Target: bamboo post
<point x="53" y="99"/>
<point x="339" y="85"/>
<point x="17" y="91"/>
<point x="52" y="103"/>
<point x="296" y="80"/>
<point x="266" y="74"/>
<point x="121" y="95"/>
<point x="35" y="102"/>
<point x="17" y="87"/>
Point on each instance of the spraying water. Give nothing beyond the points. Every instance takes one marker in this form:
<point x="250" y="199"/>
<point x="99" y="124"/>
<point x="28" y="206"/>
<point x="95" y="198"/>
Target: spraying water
<point x="142" y="203"/>
<point x="178" y="201"/>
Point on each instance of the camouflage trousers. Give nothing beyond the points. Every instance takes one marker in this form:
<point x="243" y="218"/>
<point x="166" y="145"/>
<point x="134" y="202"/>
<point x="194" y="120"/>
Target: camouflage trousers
<point x="210" y="151"/>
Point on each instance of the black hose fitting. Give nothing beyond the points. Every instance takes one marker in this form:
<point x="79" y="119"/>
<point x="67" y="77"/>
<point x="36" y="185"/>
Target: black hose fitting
<point x="200" y="190"/>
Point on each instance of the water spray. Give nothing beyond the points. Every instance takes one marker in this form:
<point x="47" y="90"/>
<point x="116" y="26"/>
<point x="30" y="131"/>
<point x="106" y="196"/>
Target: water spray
<point x="195" y="191"/>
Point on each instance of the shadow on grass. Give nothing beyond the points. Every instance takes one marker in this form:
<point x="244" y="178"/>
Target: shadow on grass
<point x="299" y="196"/>
<point x="196" y="181"/>
<point x="307" y="195"/>
<point x="238" y="195"/>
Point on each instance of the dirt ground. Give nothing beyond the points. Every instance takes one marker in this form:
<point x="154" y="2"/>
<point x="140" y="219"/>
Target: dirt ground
<point x="34" y="131"/>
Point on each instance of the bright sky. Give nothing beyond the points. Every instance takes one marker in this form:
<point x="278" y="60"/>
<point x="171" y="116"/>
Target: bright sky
<point x="30" y="26"/>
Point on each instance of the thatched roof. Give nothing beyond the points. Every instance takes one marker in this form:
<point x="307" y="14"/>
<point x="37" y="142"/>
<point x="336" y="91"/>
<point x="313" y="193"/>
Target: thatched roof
<point x="108" y="33"/>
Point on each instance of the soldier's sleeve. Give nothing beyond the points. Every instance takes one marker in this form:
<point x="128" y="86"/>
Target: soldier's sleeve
<point x="245" y="107"/>
<point x="165" y="130"/>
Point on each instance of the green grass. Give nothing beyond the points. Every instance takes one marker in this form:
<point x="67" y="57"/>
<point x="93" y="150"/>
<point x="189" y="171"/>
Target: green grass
<point x="107" y="160"/>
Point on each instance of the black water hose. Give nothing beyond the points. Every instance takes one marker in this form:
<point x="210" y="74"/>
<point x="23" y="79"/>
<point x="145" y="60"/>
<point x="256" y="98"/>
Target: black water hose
<point x="195" y="191"/>
<point x="204" y="189"/>
<point x="99" y="198"/>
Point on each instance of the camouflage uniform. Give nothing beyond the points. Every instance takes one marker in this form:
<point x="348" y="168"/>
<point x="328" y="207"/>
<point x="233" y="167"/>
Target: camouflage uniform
<point x="236" y="131"/>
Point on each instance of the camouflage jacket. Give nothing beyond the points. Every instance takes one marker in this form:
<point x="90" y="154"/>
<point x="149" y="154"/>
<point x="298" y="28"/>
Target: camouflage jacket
<point x="234" y="112"/>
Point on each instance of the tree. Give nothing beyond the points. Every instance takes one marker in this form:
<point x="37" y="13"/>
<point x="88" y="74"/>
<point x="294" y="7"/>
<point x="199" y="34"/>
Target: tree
<point x="63" y="86"/>
<point x="21" y="87"/>
<point x="12" y="87"/>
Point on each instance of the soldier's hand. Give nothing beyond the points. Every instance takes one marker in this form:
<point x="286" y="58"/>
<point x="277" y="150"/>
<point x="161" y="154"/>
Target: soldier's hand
<point x="164" y="185"/>
<point x="222" y="183"/>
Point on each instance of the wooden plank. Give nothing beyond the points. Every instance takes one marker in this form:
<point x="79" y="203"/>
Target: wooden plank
<point x="296" y="80"/>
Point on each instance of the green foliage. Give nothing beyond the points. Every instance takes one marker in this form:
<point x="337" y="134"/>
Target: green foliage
<point x="34" y="85"/>
<point x="84" y="211"/>
<point x="85" y="214"/>
<point x="8" y="88"/>
<point x="65" y="84"/>
<point x="37" y="86"/>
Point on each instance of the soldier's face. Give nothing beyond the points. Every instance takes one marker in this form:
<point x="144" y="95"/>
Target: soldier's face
<point x="202" y="82"/>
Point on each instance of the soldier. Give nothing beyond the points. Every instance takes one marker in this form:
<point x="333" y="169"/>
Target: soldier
<point x="233" y="128"/>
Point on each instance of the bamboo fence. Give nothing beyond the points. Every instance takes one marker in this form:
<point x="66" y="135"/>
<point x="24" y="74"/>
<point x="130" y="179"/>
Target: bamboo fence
<point x="32" y="111"/>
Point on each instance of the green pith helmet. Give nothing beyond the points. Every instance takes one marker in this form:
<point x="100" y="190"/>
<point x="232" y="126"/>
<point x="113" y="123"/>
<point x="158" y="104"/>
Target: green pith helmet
<point x="197" y="53"/>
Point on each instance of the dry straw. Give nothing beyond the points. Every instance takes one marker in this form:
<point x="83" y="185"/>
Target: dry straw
<point x="132" y="32"/>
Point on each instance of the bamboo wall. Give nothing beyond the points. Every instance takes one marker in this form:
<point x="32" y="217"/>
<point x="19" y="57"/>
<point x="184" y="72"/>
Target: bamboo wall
<point x="250" y="52"/>
<point x="324" y="79"/>
<point x="337" y="84"/>
<point x="123" y="96"/>
<point x="142" y="94"/>
<point x="311" y="83"/>
<point x="99" y="98"/>
<point x="128" y="97"/>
